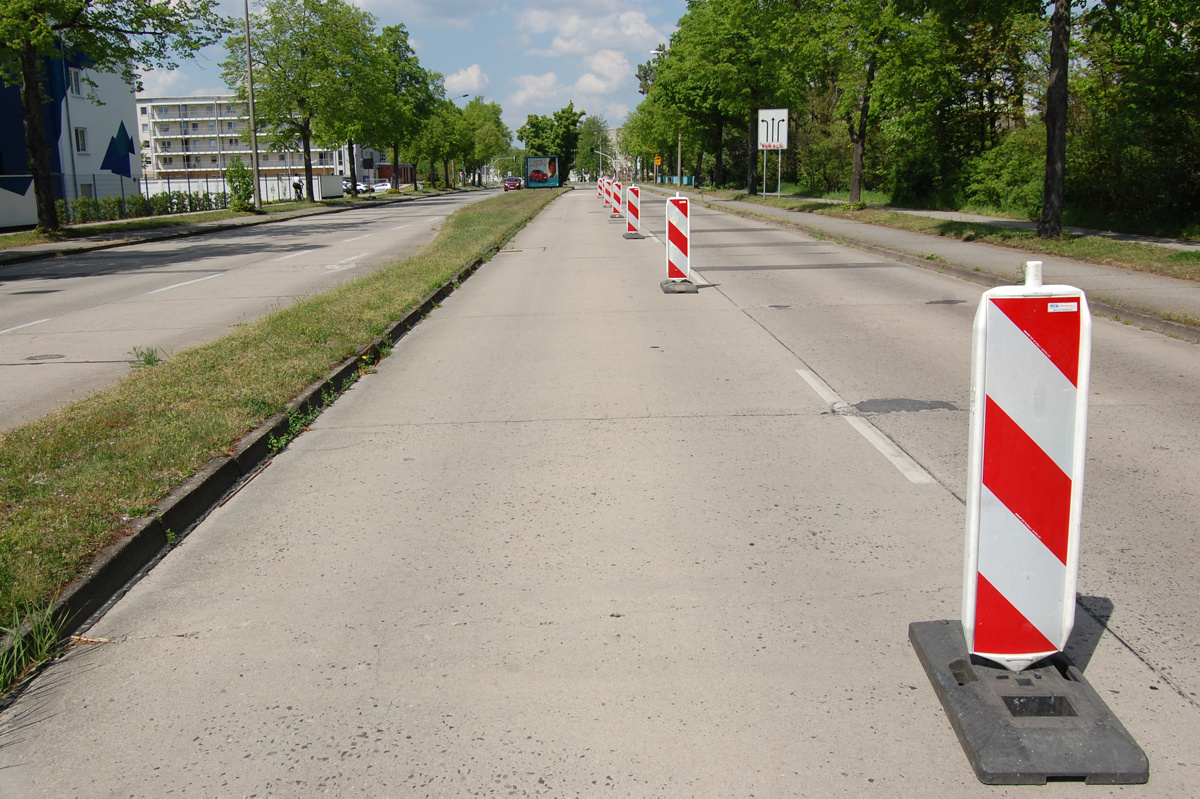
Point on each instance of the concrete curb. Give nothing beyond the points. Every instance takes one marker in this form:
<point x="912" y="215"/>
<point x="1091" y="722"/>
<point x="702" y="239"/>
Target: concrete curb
<point x="40" y="255"/>
<point x="1147" y="320"/>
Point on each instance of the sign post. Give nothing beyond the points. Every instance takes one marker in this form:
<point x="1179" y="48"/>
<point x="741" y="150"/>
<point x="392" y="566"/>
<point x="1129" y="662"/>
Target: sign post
<point x="773" y="135"/>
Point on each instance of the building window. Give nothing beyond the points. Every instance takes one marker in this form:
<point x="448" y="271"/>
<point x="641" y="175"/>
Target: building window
<point x="214" y="159"/>
<point x="145" y="128"/>
<point x="195" y="126"/>
<point x="85" y="190"/>
<point x="169" y="160"/>
<point x="74" y="78"/>
<point x="143" y="109"/>
<point x="210" y="110"/>
<point x="230" y="125"/>
<point x="81" y="140"/>
<point x="212" y="142"/>
<point x="212" y="125"/>
<point x="233" y="142"/>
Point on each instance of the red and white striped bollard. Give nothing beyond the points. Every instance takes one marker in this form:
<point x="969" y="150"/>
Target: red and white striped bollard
<point x="1030" y="374"/>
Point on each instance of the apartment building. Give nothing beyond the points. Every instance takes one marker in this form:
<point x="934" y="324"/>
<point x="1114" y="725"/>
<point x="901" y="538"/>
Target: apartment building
<point x="193" y="138"/>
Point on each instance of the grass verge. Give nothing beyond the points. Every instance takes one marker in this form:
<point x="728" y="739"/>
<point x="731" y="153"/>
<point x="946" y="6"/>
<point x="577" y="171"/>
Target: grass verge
<point x="72" y="482"/>
<point x="1093" y="249"/>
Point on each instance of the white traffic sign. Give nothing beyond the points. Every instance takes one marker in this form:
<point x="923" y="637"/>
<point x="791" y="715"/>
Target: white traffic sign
<point x="772" y="128"/>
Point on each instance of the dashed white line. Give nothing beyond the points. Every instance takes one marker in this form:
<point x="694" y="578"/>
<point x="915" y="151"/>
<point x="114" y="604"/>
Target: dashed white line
<point x="18" y="327"/>
<point x="291" y="255"/>
<point x="185" y="283"/>
<point x="356" y="238"/>
<point x="401" y="227"/>
<point x="888" y="448"/>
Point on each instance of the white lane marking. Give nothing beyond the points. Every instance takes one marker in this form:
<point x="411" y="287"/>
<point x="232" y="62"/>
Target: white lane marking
<point x="185" y="283"/>
<point x="401" y="227"/>
<point x="888" y="448"/>
<point x="347" y="263"/>
<point x="292" y="255"/>
<point x="18" y="327"/>
<point x="356" y="238"/>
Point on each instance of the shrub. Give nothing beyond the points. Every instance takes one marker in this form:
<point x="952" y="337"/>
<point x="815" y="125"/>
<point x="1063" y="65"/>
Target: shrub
<point x="241" y="185"/>
<point x="1011" y="176"/>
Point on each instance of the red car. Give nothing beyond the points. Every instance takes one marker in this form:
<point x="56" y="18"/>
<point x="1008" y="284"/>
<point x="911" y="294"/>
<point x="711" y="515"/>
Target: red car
<point x="538" y="176"/>
<point x="512" y="183"/>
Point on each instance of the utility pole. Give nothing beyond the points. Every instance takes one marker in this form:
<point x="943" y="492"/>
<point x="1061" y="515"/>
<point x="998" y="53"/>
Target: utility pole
<point x="679" y="163"/>
<point x="253" y="127"/>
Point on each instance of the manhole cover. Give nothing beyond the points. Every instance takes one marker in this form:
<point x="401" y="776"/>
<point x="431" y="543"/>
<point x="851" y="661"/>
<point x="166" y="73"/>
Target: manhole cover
<point x="44" y="357"/>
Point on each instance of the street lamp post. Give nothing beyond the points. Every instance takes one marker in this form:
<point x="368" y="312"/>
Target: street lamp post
<point x="492" y="165"/>
<point x="250" y="99"/>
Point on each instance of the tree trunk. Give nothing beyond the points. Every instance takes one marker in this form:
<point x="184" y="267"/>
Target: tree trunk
<point x="306" y="141"/>
<point x="35" y="139"/>
<point x="752" y="156"/>
<point x="859" y="137"/>
<point x="446" y="170"/>
<point x="719" y="167"/>
<point x="353" y="169"/>
<point x="1050" y="225"/>
<point x="396" y="166"/>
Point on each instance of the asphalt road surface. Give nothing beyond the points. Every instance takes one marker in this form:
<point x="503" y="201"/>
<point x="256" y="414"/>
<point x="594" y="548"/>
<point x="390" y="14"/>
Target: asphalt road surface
<point x="68" y="326"/>
<point x="580" y="537"/>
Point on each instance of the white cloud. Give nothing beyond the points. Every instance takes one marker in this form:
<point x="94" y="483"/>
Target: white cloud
<point x="163" y="83"/>
<point x="443" y="13"/>
<point x="609" y="69"/>
<point x="581" y="34"/>
<point x="533" y="88"/>
<point x="470" y="79"/>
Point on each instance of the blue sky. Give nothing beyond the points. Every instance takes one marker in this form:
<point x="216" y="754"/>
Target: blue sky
<point x="531" y="56"/>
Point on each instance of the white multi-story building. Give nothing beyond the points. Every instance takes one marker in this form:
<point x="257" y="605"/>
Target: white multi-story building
<point x="188" y="139"/>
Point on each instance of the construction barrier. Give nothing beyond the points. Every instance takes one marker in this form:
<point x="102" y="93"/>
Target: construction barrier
<point x="633" y="218"/>
<point x="678" y="232"/>
<point x="617" y="192"/>
<point x="1030" y="372"/>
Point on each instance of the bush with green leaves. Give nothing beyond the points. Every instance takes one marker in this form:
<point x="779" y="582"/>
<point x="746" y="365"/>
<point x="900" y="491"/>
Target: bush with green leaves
<point x="241" y="185"/>
<point x="1011" y="176"/>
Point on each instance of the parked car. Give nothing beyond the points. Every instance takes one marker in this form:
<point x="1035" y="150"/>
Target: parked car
<point x="512" y="183"/>
<point x="383" y="185"/>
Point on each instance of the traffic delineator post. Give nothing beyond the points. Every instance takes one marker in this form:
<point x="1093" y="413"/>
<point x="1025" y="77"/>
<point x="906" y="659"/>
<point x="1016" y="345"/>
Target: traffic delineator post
<point x="679" y="230"/>
<point x="616" y="205"/>
<point x="1031" y="363"/>
<point x="607" y="185"/>
<point x="633" y="214"/>
<point x="1030" y="371"/>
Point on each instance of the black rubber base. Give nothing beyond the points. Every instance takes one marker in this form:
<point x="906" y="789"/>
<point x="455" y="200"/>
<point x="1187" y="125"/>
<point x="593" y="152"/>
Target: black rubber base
<point x="1044" y="723"/>
<point x="634" y="236"/>
<point x="679" y="287"/>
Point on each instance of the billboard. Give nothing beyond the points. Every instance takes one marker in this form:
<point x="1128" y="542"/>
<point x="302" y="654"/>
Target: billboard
<point x="541" y="171"/>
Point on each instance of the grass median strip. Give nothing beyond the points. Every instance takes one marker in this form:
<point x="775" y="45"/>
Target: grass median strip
<point x="1093" y="249"/>
<point x="71" y="482"/>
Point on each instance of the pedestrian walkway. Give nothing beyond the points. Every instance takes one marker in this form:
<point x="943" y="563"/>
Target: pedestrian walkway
<point x="1145" y="299"/>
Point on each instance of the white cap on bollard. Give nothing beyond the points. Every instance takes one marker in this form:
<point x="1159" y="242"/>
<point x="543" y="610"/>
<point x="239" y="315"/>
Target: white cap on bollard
<point x="1033" y="274"/>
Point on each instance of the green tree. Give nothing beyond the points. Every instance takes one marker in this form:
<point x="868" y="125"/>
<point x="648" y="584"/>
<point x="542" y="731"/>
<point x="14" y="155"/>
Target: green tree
<point x="557" y="135"/>
<point x="489" y="136"/>
<point x="593" y="140"/>
<point x="241" y="185"/>
<point x="301" y="48"/>
<point x="406" y="96"/>
<point x="114" y="36"/>
<point x="355" y="69"/>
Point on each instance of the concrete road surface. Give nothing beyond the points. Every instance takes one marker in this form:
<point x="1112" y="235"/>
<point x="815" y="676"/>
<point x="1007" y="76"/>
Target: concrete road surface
<point x="68" y="326"/>
<point x="579" y="537"/>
